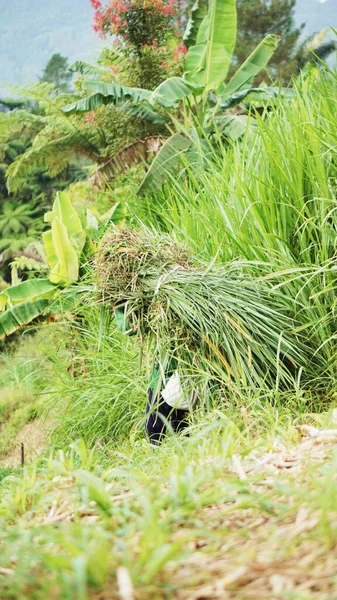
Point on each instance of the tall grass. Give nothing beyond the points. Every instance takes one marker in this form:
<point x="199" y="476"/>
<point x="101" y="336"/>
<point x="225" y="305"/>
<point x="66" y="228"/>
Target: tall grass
<point x="267" y="202"/>
<point x="224" y="499"/>
<point x="99" y="388"/>
<point x="25" y="376"/>
<point x="270" y="199"/>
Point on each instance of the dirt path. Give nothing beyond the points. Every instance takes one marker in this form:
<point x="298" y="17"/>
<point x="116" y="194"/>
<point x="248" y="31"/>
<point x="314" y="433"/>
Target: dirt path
<point x="35" y="437"/>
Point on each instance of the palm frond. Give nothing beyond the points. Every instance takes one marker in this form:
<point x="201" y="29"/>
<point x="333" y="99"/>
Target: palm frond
<point x="53" y="150"/>
<point x="135" y="153"/>
<point x="85" y="68"/>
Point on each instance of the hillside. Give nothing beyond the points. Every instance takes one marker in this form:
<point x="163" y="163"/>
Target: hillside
<point x="168" y="284"/>
<point x="31" y="31"/>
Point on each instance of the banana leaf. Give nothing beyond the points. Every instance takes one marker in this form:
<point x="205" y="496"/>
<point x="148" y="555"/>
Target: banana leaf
<point x="85" y="68"/>
<point x="198" y="13"/>
<point x="167" y="94"/>
<point x="208" y="61"/>
<point x="143" y="111"/>
<point x="256" y="61"/>
<point x="22" y="314"/>
<point x="230" y="126"/>
<point x="27" y="291"/>
<point x="172" y="90"/>
<point x="167" y="159"/>
<point x="261" y="95"/>
<point x="63" y="210"/>
<point x="61" y="255"/>
<point x="106" y="93"/>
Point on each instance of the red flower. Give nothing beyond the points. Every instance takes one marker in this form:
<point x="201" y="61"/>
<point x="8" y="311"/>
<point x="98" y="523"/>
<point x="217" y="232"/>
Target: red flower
<point x="89" y="117"/>
<point x="96" y="4"/>
<point x="181" y="49"/>
<point x="112" y="18"/>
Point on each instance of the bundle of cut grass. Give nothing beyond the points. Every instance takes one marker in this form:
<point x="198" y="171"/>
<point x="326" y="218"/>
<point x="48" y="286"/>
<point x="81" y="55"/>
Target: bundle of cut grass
<point x="126" y="257"/>
<point x="217" y="317"/>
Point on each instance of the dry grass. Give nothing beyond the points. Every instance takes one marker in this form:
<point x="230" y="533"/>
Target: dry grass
<point x="252" y="525"/>
<point x="278" y="554"/>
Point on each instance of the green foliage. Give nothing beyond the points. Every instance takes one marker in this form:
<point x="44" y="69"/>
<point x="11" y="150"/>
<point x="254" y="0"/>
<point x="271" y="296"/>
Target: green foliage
<point x="146" y="40"/>
<point x="100" y="389"/>
<point x="207" y="62"/>
<point x="55" y="145"/>
<point x="213" y="48"/>
<point x="22" y="207"/>
<point x="165" y="162"/>
<point x="125" y="159"/>
<point x="275" y="209"/>
<point x="197" y="13"/>
<point x="24" y="292"/>
<point x="25" y="263"/>
<point x="263" y="206"/>
<point x="72" y="235"/>
<point x="57" y="139"/>
<point x="10" y="104"/>
<point x="19" y="127"/>
<point x="63" y="245"/>
<point x="144" y="513"/>
<point x="25" y="373"/>
<point x="244" y="77"/>
<point x="15" y="219"/>
<point x="64" y="242"/>
<point x="167" y="94"/>
<point x="150" y="68"/>
<point x="26" y="411"/>
<point x="217" y="320"/>
<point x="46" y="134"/>
<point x="259" y="18"/>
<point x="19" y="227"/>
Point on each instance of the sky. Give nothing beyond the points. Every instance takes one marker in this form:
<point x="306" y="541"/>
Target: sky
<point x="32" y="30"/>
<point x="317" y="14"/>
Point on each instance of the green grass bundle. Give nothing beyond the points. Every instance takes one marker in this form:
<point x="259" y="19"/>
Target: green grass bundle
<point x="215" y="317"/>
<point x="127" y="256"/>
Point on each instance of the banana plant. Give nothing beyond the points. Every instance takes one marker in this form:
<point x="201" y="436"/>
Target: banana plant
<point x="210" y="37"/>
<point x="166" y="96"/>
<point x="223" y="96"/>
<point x="208" y="60"/>
<point x="70" y="235"/>
<point x="64" y="242"/>
<point x="22" y="303"/>
<point x="62" y="246"/>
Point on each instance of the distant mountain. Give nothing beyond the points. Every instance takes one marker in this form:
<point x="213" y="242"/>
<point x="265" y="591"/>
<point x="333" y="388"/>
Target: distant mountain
<point x="32" y="30"/>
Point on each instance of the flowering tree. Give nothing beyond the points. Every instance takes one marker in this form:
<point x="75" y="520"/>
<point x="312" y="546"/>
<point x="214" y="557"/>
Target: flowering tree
<point x="142" y="29"/>
<point x="138" y="23"/>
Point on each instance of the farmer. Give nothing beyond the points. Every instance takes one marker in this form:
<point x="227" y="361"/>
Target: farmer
<point x="167" y="406"/>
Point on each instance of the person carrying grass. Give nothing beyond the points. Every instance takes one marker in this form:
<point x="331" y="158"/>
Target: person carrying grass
<point x="225" y="328"/>
<point x="167" y="406"/>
